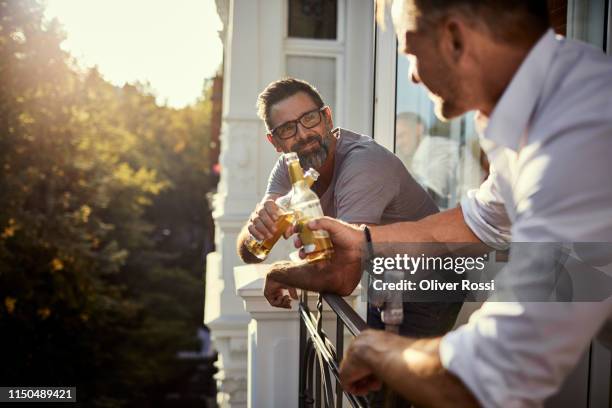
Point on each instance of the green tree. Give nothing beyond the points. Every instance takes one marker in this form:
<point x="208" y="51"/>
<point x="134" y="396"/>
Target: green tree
<point x="103" y="222"/>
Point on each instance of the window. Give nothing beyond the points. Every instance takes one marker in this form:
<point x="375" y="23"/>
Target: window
<point x="319" y="71"/>
<point x="587" y="21"/>
<point x="444" y="157"/>
<point x="314" y="19"/>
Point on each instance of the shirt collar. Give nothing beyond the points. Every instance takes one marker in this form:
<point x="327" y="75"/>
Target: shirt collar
<point x="514" y="110"/>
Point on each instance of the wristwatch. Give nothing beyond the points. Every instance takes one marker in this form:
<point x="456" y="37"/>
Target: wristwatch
<point x="369" y="246"/>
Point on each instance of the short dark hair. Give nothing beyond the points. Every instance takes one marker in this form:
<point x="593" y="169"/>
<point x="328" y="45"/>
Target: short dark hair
<point x="508" y="20"/>
<point x="281" y="90"/>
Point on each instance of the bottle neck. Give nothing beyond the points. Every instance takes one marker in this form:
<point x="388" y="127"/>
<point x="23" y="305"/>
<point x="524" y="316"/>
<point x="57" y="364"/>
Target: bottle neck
<point x="296" y="174"/>
<point x="300" y="185"/>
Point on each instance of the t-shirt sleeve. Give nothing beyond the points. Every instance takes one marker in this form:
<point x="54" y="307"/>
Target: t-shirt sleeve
<point x="278" y="182"/>
<point x="365" y="187"/>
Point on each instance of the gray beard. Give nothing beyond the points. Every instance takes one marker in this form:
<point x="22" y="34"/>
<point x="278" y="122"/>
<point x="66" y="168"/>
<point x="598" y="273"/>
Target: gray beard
<point x="316" y="159"/>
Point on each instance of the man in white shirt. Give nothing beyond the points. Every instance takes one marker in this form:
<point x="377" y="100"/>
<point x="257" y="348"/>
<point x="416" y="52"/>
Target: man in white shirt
<point x="545" y="122"/>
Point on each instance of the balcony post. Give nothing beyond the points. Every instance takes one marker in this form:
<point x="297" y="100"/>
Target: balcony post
<point x="273" y="341"/>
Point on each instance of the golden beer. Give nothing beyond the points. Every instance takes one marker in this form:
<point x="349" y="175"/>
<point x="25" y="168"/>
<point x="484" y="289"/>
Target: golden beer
<point x="306" y="205"/>
<point x="261" y="249"/>
<point x="317" y="245"/>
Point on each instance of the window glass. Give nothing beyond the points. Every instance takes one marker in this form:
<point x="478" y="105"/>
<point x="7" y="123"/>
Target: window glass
<point x="587" y="21"/>
<point x="444" y="157"/>
<point x="319" y="71"/>
<point x="314" y="19"/>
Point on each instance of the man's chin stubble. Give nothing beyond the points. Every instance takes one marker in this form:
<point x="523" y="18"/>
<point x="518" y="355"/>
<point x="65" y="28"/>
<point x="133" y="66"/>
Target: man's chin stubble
<point x="314" y="160"/>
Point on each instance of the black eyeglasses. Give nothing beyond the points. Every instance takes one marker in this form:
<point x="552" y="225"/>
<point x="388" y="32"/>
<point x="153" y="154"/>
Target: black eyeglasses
<point x="288" y="129"/>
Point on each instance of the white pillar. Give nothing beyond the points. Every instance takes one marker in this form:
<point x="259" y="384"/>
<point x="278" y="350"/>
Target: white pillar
<point x="234" y="199"/>
<point x="249" y="64"/>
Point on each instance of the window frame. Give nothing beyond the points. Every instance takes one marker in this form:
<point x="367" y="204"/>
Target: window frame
<point x="324" y="48"/>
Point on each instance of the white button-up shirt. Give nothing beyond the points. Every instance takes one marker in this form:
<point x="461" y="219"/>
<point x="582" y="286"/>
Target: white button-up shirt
<point x="549" y="142"/>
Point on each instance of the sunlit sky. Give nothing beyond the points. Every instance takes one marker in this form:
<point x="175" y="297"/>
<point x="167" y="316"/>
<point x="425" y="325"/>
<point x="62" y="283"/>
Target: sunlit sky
<point x="173" y="44"/>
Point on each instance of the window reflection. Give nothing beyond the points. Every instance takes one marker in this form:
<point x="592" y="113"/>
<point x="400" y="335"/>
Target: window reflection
<point x="444" y="157"/>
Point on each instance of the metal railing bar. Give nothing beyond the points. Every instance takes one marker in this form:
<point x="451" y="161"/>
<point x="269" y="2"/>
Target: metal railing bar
<point x="327" y="384"/>
<point x="339" y="352"/>
<point x="319" y="344"/>
<point x="320" y="357"/>
<point x="317" y="379"/>
<point x="309" y="363"/>
<point x="302" y="366"/>
<point x="353" y="322"/>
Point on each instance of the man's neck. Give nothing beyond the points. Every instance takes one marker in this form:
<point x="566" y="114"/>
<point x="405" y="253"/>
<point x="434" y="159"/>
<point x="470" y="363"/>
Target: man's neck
<point x="504" y="62"/>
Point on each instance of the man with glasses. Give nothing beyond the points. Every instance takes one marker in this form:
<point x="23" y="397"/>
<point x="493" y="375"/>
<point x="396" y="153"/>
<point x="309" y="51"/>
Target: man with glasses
<point x="360" y="182"/>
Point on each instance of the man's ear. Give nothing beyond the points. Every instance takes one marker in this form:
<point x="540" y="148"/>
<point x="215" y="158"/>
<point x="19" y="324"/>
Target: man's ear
<point x="454" y="38"/>
<point x="274" y="143"/>
<point x="328" y="117"/>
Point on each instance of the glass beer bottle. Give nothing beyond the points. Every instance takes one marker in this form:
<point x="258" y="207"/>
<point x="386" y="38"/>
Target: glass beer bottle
<point x="305" y="205"/>
<point x="261" y="249"/>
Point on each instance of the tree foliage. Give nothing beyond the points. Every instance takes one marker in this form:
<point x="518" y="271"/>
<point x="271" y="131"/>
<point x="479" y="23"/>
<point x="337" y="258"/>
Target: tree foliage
<point x="103" y="224"/>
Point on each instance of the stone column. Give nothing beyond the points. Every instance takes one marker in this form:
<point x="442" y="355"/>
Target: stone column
<point x="245" y="164"/>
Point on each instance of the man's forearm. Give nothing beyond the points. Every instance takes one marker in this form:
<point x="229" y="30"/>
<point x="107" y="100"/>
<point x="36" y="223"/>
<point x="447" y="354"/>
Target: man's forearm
<point x="413" y="369"/>
<point x="314" y="277"/>
<point x="444" y="227"/>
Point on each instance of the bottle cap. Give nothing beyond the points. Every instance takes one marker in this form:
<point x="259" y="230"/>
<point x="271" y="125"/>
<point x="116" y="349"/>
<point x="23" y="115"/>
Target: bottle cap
<point x="289" y="157"/>
<point x="312" y="173"/>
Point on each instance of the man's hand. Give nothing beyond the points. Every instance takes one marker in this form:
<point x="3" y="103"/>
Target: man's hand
<point x="347" y="239"/>
<point x="370" y="348"/>
<point x="410" y="367"/>
<point x="262" y="223"/>
<point x="275" y="293"/>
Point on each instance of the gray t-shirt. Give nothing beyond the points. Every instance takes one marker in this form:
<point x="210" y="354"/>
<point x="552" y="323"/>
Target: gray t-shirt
<point x="370" y="184"/>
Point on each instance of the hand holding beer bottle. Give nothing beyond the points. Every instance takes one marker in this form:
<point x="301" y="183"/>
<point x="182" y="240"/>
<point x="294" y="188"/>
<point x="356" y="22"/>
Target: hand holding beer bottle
<point x="273" y="218"/>
<point x="306" y="206"/>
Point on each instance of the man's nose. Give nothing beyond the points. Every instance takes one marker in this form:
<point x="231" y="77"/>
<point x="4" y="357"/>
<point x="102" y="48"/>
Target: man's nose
<point x="301" y="132"/>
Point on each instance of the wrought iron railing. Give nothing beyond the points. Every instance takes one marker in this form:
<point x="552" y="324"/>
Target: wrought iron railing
<point x="320" y="358"/>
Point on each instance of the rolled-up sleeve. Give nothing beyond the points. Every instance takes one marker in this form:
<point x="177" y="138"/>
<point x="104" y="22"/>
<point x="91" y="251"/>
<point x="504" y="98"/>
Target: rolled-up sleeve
<point x="535" y="355"/>
<point x="514" y="354"/>
<point x="485" y="214"/>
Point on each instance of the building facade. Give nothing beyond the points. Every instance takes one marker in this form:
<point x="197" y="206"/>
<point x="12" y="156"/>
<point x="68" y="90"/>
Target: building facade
<point x="337" y="46"/>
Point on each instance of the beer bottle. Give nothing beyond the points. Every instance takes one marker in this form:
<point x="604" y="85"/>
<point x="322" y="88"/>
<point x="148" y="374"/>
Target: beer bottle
<point x="261" y="249"/>
<point x="305" y="205"/>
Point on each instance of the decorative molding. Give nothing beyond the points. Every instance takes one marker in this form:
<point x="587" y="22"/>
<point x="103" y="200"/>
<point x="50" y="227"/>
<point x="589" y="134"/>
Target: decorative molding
<point x="223" y="13"/>
<point x="239" y="159"/>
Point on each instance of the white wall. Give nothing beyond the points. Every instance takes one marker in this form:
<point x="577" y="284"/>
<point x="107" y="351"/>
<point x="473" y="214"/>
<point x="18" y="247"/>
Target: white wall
<point x="256" y="51"/>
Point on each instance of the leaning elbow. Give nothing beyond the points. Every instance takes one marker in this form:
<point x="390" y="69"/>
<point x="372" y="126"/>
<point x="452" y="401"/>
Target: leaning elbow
<point x="246" y="256"/>
<point x="335" y="281"/>
<point x="251" y="259"/>
<point x="344" y="290"/>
